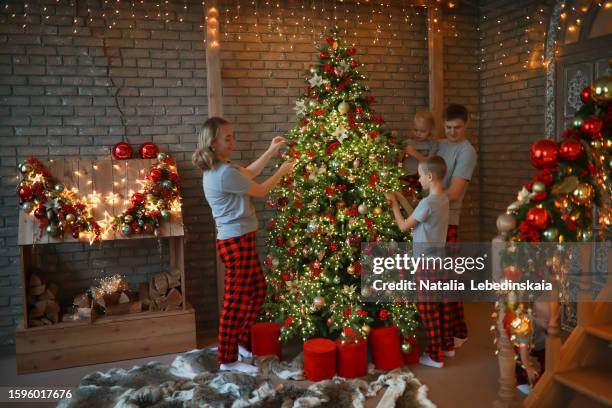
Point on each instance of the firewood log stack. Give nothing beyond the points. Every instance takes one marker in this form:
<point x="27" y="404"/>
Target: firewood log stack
<point x="164" y="292"/>
<point x="43" y="305"/>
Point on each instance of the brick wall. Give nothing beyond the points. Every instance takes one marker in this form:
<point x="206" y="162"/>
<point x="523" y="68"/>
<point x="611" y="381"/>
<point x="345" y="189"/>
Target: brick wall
<point x="511" y="102"/>
<point x="57" y="101"/>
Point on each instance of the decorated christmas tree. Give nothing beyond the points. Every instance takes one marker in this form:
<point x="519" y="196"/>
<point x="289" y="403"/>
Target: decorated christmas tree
<point x="332" y="203"/>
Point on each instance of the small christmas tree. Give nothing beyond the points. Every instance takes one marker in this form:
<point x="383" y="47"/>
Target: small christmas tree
<point x="333" y="202"/>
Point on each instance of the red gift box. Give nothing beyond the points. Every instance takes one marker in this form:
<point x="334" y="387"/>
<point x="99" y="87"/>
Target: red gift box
<point x="413" y="356"/>
<point x="386" y="348"/>
<point x="265" y="339"/>
<point x="319" y="359"/>
<point x="352" y="359"/>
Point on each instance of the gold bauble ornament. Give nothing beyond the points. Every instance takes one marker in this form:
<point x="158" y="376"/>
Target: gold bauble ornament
<point x="377" y="211"/>
<point x="372" y="158"/>
<point x="601" y="90"/>
<point x="583" y="194"/>
<point x="70" y="218"/>
<point x="310" y="168"/>
<point x="351" y="179"/>
<point x="366" y="329"/>
<point x="350" y="270"/>
<point x="318" y="302"/>
<point x="521" y="327"/>
<point x="343" y="107"/>
<point x="505" y="223"/>
<point x="538" y="187"/>
<point x="550" y="234"/>
<point x="596" y="144"/>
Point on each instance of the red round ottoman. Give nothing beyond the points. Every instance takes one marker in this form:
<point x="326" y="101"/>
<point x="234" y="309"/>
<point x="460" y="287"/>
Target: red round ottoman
<point x="386" y="349"/>
<point x="319" y="359"/>
<point x="352" y="359"/>
<point x="265" y="339"/>
<point x="413" y="356"/>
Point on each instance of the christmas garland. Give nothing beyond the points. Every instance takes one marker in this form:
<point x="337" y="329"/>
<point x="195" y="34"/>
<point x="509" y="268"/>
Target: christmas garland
<point x="58" y="210"/>
<point x="154" y="203"/>
<point x="557" y="204"/>
<point x="56" y="207"/>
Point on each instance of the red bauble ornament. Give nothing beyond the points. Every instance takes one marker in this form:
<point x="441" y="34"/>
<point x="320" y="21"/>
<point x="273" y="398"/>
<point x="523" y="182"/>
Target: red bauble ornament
<point x="122" y="151"/>
<point x="513" y="273"/>
<point x="40" y="212"/>
<point x="25" y="193"/>
<point x="324" y="55"/>
<point x="538" y="218"/>
<point x="544" y="153"/>
<point x="330" y="40"/>
<point x="137" y="199"/>
<point x="571" y="149"/>
<point x="148" y="150"/>
<point x="585" y="95"/>
<point x="155" y="174"/>
<point x="592" y="126"/>
<point x="136" y="228"/>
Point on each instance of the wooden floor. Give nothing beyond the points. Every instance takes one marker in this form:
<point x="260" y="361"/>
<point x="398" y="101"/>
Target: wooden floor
<point x="467" y="380"/>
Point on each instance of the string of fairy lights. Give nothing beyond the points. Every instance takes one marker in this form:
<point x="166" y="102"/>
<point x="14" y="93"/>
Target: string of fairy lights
<point x="313" y="18"/>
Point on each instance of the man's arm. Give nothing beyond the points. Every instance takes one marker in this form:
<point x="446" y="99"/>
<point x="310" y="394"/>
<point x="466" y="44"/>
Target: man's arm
<point x="457" y="188"/>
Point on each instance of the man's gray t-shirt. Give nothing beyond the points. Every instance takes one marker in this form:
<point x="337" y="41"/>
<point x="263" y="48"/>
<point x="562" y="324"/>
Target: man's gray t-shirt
<point x="427" y="147"/>
<point x="224" y="188"/>
<point x="432" y="215"/>
<point x="460" y="161"/>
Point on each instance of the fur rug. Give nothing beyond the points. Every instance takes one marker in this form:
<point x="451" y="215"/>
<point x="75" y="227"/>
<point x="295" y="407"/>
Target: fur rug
<point x="194" y="380"/>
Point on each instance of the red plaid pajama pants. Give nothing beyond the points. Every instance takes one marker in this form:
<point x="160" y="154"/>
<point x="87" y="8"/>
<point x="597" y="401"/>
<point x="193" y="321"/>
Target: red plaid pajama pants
<point x="453" y="311"/>
<point x="245" y="292"/>
<point x="433" y="319"/>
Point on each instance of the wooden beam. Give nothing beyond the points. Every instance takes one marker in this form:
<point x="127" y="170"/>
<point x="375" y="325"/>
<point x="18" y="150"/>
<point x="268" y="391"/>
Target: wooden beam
<point x="215" y="103"/>
<point x="435" y="48"/>
<point x="213" y="62"/>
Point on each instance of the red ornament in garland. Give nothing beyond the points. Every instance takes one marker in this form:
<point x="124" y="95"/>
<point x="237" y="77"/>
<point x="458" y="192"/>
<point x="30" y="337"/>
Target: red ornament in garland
<point x="513" y="273"/>
<point x="538" y="218"/>
<point x="324" y="55"/>
<point x="592" y="126"/>
<point x="148" y="150"/>
<point x="571" y="149"/>
<point x="585" y="95"/>
<point x="40" y="212"/>
<point x="544" y="153"/>
<point x="330" y="40"/>
<point x="25" y="193"/>
<point x="155" y="175"/>
<point x="122" y="151"/>
<point x="137" y="199"/>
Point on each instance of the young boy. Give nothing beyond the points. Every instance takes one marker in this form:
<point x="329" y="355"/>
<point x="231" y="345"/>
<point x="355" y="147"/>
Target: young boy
<point x="430" y="222"/>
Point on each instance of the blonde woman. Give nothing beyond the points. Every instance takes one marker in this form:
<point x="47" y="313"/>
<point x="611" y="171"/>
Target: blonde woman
<point x="228" y="188"/>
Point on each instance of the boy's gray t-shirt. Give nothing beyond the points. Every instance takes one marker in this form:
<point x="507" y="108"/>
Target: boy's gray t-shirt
<point x="460" y="161"/>
<point x="224" y="188"/>
<point x="432" y="214"/>
<point x="426" y="147"/>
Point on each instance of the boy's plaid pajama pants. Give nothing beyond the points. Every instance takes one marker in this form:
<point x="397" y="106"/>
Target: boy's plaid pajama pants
<point x="245" y="292"/>
<point x="441" y="320"/>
